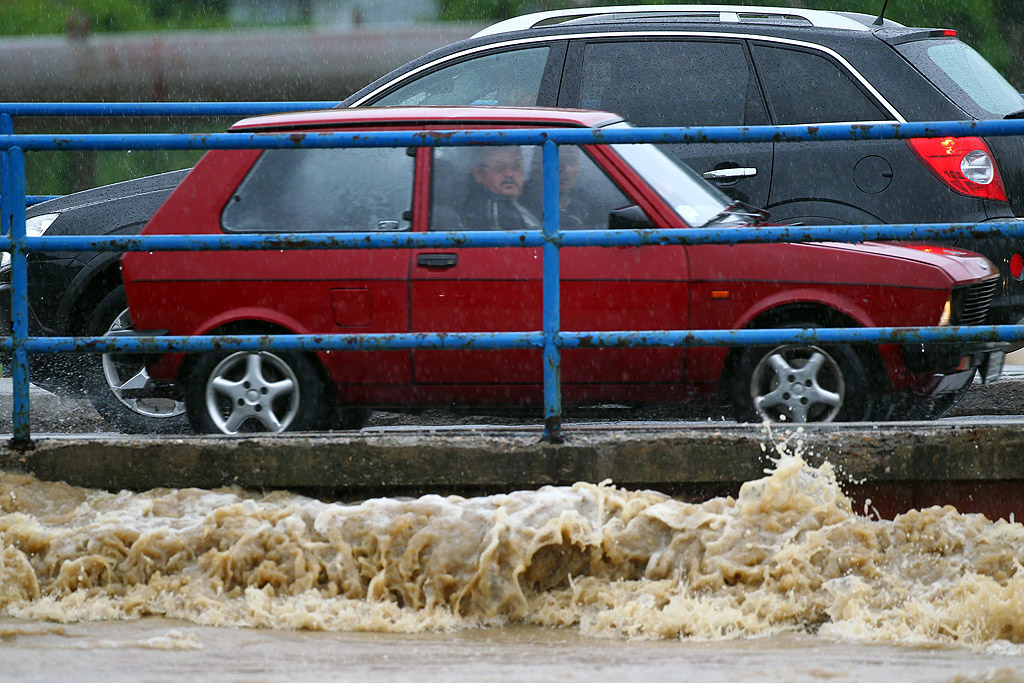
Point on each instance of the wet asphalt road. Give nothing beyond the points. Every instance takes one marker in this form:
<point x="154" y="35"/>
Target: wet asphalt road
<point x="1001" y="402"/>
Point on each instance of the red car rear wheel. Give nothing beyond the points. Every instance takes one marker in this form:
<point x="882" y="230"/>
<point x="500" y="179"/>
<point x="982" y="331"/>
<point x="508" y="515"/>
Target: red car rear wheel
<point x="242" y="392"/>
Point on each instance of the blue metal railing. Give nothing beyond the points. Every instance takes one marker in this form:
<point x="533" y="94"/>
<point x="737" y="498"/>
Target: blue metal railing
<point x="550" y="338"/>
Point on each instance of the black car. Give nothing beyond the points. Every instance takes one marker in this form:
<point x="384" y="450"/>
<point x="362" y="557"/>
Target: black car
<point x="746" y="66"/>
<point x="80" y="293"/>
<point x="665" y="66"/>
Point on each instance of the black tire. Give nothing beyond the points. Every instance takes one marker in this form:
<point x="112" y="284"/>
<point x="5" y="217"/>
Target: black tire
<point x="801" y="383"/>
<point x="248" y="392"/>
<point x="352" y="419"/>
<point x="115" y="383"/>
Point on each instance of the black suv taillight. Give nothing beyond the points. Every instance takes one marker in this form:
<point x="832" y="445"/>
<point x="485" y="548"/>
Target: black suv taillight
<point x="965" y="165"/>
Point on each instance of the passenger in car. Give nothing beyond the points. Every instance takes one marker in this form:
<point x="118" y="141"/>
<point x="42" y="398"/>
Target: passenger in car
<point x="492" y="202"/>
<point x="576" y="210"/>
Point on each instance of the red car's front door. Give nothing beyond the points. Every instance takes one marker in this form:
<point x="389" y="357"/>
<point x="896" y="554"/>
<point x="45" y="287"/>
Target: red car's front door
<point x="500" y="290"/>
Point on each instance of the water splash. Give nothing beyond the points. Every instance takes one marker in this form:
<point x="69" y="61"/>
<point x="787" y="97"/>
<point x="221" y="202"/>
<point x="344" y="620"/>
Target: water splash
<point x="788" y="554"/>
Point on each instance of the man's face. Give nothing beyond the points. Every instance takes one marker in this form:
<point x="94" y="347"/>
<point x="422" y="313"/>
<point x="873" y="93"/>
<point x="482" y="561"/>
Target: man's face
<point x="501" y="171"/>
<point x="568" y="170"/>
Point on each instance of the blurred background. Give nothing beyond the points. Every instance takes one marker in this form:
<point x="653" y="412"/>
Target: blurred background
<point x="226" y="50"/>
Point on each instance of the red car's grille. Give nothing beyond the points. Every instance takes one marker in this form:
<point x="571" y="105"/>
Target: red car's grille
<point x="971" y="302"/>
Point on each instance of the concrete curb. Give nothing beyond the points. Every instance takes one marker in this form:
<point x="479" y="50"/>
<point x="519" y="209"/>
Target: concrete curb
<point x="976" y="467"/>
<point x="898" y="466"/>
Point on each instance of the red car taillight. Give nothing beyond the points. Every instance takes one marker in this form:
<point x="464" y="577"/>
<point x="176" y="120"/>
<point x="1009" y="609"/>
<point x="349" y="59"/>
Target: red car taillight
<point x="964" y="164"/>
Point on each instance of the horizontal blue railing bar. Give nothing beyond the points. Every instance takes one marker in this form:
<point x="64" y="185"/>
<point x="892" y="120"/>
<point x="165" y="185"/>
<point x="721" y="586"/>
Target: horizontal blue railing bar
<point x="277" y="241"/>
<point x="483" y="239"/>
<point x="782" y="335"/>
<point x="158" y="108"/>
<point x="791" y="233"/>
<point x="33" y="199"/>
<point x="534" y="136"/>
<point x="295" y="342"/>
<point x="517" y="340"/>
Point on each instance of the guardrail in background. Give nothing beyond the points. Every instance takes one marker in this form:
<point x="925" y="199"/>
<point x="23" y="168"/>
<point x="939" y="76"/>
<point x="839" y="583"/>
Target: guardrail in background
<point x="550" y="338"/>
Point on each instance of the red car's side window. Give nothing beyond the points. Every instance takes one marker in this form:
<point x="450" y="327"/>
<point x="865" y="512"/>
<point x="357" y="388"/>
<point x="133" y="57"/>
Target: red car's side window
<point x="501" y="188"/>
<point x="324" y="190"/>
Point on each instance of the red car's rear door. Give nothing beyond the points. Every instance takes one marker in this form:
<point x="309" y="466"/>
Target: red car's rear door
<point x="302" y="291"/>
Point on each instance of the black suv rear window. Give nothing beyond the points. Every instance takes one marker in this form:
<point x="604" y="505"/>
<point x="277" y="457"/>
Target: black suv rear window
<point x="964" y="76"/>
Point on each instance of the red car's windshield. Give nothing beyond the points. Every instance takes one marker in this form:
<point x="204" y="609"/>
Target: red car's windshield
<point x="693" y="198"/>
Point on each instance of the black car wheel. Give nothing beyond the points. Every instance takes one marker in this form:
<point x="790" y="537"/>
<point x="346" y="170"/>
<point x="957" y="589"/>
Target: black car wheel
<point x="231" y="393"/>
<point x="118" y="385"/>
<point x="801" y="383"/>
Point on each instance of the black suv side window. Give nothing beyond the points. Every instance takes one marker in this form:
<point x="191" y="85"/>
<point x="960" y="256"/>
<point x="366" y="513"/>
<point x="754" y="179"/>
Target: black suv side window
<point x="805" y="87"/>
<point x="511" y="78"/>
<point x="324" y="190"/>
<point x="672" y="82"/>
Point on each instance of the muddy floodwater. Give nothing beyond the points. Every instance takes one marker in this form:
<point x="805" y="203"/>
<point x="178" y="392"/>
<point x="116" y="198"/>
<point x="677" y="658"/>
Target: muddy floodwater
<point x="785" y="582"/>
<point x="160" y="649"/>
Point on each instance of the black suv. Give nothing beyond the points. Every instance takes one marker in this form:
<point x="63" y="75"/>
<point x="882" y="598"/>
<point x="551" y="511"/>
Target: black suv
<point x="679" y="66"/>
<point x="746" y="66"/>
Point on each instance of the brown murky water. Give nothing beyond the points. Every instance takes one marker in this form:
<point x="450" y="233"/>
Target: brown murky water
<point x="787" y="581"/>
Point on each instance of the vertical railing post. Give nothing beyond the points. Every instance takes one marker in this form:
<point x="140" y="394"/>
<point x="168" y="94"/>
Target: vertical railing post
<point x="552" y="299"/>
<point x="12" y="188"/>
<point x="6" y="128"/>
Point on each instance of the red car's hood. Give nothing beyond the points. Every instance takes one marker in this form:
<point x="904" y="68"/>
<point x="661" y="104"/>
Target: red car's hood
<point x="960" y="264"/>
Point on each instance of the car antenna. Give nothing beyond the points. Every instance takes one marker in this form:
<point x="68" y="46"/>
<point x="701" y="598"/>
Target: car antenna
<point x="881" y="15"/>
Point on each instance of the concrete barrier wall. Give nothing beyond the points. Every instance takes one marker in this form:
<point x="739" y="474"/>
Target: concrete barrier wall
<point x="895" y="467"/>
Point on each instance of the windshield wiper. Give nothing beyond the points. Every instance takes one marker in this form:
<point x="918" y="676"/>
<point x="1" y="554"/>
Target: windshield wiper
<point x="740" y="209"/>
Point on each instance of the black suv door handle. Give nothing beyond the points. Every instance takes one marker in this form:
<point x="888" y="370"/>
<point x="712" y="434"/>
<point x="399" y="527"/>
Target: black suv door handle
<point x="728" y="174"/>
<point x="437" y="260"/>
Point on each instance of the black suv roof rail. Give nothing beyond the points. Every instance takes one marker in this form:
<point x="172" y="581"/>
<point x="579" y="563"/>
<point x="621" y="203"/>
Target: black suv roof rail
<point x="722" y="13"/>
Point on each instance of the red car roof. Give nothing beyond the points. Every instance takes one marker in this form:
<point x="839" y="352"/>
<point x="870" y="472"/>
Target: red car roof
<point x="516" y="116"/>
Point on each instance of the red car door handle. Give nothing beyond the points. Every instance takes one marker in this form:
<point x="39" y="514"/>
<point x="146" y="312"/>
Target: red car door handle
<point x="437" y="260"/>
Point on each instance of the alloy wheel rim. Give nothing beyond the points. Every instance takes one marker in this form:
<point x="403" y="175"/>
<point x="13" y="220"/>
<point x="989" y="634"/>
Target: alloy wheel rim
<point x="123" y="375"/>
<point x="796" y="383"/>
<point x="252" y="389"/>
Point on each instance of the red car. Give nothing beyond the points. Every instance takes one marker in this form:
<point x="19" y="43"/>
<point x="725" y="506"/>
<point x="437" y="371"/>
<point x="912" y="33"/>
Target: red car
<point x="499" y="289"/>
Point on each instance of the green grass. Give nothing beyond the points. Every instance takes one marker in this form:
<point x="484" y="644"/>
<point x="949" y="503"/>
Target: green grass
<point x="64" y="172"/>
<point x="36" y="17"/>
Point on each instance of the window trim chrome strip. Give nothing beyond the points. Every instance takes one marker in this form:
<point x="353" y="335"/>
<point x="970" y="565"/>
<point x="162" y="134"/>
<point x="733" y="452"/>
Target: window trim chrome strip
<point x="897" y="117"/>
